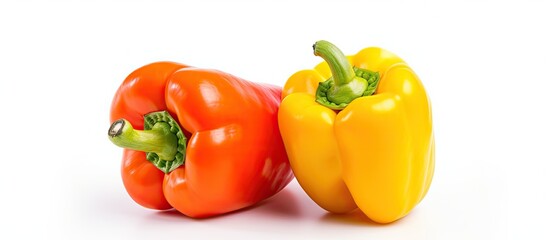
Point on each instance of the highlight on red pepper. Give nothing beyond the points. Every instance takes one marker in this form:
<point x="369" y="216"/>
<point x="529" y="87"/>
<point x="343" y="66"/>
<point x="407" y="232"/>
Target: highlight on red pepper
<point x="201" y="141"/>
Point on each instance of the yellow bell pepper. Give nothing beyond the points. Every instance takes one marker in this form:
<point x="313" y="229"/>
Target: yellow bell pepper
<point x="363" y="137"/>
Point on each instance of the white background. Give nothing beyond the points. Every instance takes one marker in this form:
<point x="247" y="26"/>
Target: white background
<point x="484" y="64"/>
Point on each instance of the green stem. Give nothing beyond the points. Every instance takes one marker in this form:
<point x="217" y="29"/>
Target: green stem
<point x="342" y="71"/>
<point x="159" y="139"/>
<point x="347" y="83"/>
<point x="162" y="139"/>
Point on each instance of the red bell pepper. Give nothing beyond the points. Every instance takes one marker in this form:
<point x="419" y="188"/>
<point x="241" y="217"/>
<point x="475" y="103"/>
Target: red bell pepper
<point x="201" y="141"/>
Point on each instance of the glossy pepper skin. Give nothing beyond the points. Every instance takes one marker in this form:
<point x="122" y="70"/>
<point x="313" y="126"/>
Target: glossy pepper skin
<point x="234" y="155"/>
<point x="375" y="153"/>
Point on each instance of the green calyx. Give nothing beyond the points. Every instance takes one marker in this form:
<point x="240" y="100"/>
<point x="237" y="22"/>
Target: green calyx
<point x="347" y="83"/>
<point x="162" y="139"/>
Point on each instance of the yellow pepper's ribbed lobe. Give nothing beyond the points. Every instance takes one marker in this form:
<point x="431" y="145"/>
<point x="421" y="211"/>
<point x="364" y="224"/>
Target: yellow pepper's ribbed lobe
<point x="313" y="151"/>
<point x="377" y="153"/>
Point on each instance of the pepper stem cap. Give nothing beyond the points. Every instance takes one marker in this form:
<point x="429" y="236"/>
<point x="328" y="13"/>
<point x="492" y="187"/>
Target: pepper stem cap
<point x="347" y="82"/>
<point x="162" y="139"/>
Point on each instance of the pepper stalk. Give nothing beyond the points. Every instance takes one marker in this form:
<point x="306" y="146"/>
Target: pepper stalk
<point x="347" y="83"/>
<point x="162" y="139"/>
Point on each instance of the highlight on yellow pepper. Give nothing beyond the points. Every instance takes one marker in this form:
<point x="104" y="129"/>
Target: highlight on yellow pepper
<point x="358" y="133"/>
